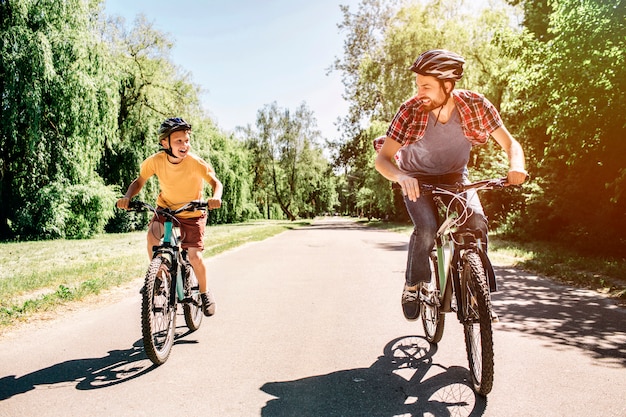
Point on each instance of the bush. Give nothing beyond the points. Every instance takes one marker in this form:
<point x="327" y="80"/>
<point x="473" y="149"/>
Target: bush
<point x="62" y="210"/>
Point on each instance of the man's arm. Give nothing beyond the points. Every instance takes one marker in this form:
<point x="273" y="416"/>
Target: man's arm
<point x="388" y="169"/>
<point x="517" y="171"/>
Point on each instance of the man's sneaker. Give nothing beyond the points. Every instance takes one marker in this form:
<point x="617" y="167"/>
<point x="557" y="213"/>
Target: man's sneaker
<point x="208" y="304"/>
<point x="410" y="304"/>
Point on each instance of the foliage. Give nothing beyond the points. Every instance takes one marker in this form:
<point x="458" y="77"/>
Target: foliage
<point x="287" y="163"/>
<point x="573" y="132"/>
<point x="55" y="101"/>
<point x="150" y="88"/>
<point x="62" y="210"/>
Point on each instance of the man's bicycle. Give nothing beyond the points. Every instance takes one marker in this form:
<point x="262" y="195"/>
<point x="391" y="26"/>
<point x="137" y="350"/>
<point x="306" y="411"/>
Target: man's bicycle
<point x="461" y="280"/>
<point x="170" y="281"/>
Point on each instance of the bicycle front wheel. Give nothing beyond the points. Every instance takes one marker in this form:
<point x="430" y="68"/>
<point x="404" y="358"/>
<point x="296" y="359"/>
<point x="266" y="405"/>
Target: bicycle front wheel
<point x="158" y="313"/>
<point x="433" y="320"/>
<point x="192" y="308"/>
<point x="475" y="306"/>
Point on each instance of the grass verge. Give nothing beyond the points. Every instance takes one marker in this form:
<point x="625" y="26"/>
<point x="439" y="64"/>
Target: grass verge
<point x="605" y="275"/>
<point x="38" y="277"/>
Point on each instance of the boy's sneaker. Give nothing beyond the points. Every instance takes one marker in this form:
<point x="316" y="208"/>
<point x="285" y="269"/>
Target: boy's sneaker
<point x="208" y="304"/>
<point x="410" y="304"/>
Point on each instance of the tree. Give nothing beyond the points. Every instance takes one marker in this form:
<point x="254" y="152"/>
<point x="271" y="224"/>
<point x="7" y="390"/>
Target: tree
<point x="570" y="91"/>
<point x="288" y="164"/>
<point x="55" y="106"/>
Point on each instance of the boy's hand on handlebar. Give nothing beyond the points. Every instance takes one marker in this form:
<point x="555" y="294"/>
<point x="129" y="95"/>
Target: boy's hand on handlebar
<point x="410" y="187"/>
<point x="122" y="203"/>
<point x="214" y="203"/>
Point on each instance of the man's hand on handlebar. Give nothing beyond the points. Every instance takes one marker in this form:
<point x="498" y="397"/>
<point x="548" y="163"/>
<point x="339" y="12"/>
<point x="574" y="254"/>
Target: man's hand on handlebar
<point x="516" y="176"/>
<point x="410" y="187"/>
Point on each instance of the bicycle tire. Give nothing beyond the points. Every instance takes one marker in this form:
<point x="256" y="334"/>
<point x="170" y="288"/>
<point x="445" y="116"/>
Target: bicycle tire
<point x="192" y="309"/>
<point x="475" y="306"/>
<point x="158" y="314"/>
<point x="433" y="320"/>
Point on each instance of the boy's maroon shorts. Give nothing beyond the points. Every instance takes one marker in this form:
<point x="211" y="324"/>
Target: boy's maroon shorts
<point x="191" y="230"/>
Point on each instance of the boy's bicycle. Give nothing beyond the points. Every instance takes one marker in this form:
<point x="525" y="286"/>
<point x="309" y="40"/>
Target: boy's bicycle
<point x="170" y="281"/>
<point x="461" y="280"/>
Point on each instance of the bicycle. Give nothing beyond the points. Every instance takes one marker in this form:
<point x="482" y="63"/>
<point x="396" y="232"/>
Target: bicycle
<point x="461" y="280"/>
<point x="169" y="281"/>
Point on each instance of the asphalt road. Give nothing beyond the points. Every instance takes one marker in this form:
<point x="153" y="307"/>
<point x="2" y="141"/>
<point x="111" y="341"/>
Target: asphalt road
<point x="309" y="323"/>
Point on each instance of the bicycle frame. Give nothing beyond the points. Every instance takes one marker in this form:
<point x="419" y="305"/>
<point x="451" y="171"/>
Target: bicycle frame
<point x="170" y="247"/>
<point x="450" y="244"/>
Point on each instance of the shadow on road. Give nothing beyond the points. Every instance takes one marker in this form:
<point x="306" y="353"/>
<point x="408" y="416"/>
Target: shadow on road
<point x="90" y="373"/>
<point x="565" y="315"/>
<point x="396" y="384"/>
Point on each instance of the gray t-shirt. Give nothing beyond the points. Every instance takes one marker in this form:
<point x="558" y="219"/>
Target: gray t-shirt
<point x="444" y="149"/>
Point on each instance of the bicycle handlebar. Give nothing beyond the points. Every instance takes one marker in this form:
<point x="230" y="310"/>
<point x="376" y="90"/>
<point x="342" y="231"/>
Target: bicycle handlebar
<point x="457" y="188"/>
<point x="138" y="205"/>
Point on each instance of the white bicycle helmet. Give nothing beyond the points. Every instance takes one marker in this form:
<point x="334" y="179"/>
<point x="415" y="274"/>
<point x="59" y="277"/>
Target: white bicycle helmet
<point x="439" y="63"/>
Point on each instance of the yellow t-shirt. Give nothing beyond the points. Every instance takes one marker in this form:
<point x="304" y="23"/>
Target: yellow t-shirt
<point x="179" y="183"/>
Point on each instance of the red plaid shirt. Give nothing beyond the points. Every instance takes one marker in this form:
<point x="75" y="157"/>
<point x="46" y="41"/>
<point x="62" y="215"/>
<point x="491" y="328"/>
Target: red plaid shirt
<point x="478" y="118"/>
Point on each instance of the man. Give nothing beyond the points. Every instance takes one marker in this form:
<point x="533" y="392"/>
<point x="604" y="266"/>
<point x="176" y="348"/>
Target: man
<point x="429" y="140"/>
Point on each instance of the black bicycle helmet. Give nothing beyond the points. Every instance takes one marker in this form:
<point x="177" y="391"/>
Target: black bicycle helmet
<point x="171" y="125"/>
<point x="439" y="63"/>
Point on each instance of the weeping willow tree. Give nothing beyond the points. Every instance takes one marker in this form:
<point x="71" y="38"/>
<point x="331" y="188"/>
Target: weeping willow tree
<point x="57" y="103"/>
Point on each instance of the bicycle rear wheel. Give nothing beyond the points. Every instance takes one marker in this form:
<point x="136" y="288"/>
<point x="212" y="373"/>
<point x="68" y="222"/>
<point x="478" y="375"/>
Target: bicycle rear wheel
<point x="192" y="308"/>
<point x="475" y="306"/>
<point x="433" y="320"/>
<point x="158" y="313"/>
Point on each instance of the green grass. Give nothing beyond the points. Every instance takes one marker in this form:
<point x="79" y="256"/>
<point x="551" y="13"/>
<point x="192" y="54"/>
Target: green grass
<point x="41" y="276"/>
<point x="557" y="261"/>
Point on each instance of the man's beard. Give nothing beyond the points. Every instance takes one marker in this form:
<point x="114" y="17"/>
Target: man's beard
<point x="434" y="104"/>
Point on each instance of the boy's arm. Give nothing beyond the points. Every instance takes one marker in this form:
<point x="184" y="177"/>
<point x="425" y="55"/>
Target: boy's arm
<point x="215" y="201"/>
<point x="133" y="190"/>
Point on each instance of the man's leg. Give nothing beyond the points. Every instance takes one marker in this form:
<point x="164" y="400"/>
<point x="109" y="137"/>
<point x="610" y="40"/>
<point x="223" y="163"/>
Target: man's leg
<point x="424" y="217"/>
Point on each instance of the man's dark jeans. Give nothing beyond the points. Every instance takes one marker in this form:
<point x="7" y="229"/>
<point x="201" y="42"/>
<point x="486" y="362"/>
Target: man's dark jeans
<point x="424" y="216"/>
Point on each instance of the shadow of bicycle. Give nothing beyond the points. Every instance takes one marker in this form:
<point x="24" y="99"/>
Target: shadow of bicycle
<point x="395" y="385"/>
<point x="116" y="367"/>
<point x="91" y="373"/>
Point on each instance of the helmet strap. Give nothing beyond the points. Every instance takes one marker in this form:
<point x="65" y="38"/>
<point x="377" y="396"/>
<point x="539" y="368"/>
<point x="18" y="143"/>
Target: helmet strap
<point x="443" y="86"/>
<point x="168" y="151"/>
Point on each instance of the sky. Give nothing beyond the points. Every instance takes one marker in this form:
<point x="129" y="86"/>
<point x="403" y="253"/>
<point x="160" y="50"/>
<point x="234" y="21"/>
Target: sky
<point x="245" y="54"/>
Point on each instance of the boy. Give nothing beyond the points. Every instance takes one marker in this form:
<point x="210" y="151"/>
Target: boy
<point x="181" y="176"/>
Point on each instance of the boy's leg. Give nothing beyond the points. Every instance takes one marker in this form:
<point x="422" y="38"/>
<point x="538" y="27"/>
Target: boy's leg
<point x="195" y="259"/>
<point x="193" y="242"/>
<point x="155" y="232"/>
